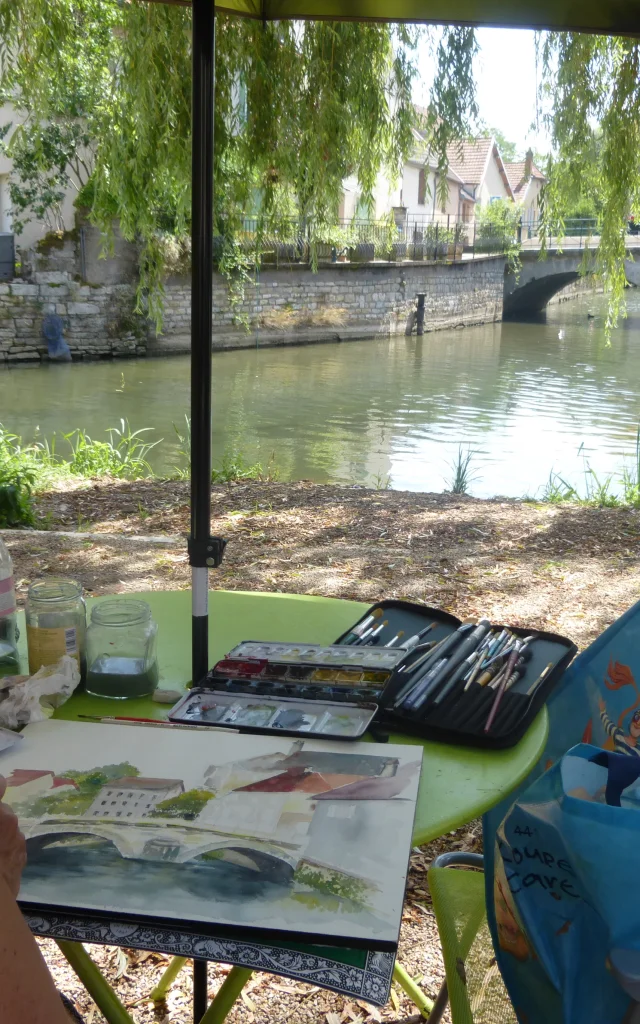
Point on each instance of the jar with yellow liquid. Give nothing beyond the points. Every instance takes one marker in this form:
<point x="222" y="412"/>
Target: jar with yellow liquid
<point x="56" y="622"/>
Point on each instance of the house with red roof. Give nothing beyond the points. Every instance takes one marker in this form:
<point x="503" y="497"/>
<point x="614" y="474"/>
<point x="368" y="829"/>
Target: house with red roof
<point x="480" y="166"/>
<point x="25" y="784"/>
<point x="278" y="807"/>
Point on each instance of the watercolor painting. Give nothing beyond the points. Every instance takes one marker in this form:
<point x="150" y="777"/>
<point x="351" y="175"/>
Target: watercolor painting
<point x="234" y="831"/>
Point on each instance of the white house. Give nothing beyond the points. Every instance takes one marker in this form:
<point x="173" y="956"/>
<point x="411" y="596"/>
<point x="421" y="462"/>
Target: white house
<point x="415" y="196"/>
<point x="526" y="182"/>
<point x="35" y="229"/>
<point x="132" y="798"/>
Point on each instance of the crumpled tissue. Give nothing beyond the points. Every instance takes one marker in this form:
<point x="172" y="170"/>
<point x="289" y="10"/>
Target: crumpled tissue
<point x="26" y="699"/>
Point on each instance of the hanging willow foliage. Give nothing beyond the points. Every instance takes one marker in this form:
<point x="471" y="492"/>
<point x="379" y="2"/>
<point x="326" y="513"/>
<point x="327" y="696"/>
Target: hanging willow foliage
<point x="591" y="88"/>
<point x="299" y="107"/>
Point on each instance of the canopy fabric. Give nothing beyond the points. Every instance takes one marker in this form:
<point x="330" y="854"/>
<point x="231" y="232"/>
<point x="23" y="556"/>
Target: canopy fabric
<point x="610" y="17"/>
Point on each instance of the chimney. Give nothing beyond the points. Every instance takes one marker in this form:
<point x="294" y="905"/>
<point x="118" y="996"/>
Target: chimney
<point x="528" y="164"/>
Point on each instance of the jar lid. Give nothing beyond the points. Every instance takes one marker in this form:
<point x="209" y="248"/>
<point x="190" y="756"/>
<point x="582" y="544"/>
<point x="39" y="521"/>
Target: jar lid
<point x="54" y="588"/>
<point x="120" y="611"/>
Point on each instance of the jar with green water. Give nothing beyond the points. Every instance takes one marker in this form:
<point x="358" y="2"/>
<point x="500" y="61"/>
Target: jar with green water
<point x="121" y="650"/>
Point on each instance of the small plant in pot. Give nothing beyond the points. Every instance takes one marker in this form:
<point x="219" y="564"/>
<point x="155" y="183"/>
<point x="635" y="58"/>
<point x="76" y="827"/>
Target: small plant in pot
<point x="362" y="252"/>
<point x="460" y="239"/>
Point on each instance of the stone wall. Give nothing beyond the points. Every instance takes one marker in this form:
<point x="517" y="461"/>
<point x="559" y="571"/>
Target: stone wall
<point x="340" y="301"/>
<point x="98" y="321"/>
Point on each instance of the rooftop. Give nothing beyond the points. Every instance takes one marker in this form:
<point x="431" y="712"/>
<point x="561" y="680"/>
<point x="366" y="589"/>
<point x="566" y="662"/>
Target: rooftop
<point x="515" y="174"/>
<point x="469" y="158"/>
<point x="136" y="782"/>
<point x="298" y="781"/>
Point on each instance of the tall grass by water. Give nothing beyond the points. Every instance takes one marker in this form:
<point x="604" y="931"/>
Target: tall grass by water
<point x="27" y="468"/>
<point x="124" y="455"/>
<point x="598" y="491"/>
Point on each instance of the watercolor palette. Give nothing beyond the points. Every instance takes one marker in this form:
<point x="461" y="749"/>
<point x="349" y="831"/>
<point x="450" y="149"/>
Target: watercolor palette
<point x="320" y="655"/>
<point x="286" y="715"/>
<point x="306" y="671"/>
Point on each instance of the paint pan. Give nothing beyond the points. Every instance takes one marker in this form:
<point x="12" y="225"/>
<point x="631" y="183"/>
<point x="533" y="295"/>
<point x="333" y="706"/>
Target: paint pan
<point x="271" y="713"/>
<point x="295" y="720"/>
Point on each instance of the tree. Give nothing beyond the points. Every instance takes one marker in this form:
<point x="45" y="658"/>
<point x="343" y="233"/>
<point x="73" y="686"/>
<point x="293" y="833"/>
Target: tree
<point x="591" y="85"/>
<point x="187" y="806"/>
<point x="88" y="785"/>
<point x="507" y="149"/>
<point x="295" y="107"/>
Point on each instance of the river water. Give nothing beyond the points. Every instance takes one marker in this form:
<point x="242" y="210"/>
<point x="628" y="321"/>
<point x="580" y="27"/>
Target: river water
<point x="527" y="399"/>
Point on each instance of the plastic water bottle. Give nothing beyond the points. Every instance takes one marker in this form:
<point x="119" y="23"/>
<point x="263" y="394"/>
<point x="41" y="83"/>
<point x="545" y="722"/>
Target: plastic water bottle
<point x="8" y="624"/>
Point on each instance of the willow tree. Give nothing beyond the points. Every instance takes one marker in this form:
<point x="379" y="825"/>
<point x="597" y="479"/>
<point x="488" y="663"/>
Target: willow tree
<point x="591" y="97"/>
<point x="299" y="107"/>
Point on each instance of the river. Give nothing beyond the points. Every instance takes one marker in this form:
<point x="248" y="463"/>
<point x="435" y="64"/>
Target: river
<point x="526" y="399"/>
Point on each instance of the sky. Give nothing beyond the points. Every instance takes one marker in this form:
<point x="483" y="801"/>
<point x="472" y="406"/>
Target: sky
<point x="505" y="73"/>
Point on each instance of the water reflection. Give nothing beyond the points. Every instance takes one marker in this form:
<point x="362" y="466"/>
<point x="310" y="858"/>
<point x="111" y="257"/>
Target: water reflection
<point x="524" y="396"/>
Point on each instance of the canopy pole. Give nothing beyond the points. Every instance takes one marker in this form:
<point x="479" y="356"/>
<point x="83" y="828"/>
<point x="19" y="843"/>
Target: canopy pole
<point x="203" y="550"/>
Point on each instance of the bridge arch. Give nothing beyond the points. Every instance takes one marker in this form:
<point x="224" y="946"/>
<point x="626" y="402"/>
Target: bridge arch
<point x="35" y="844"/>
<point x="533" y="295"/>
<point x="48" y="832"/>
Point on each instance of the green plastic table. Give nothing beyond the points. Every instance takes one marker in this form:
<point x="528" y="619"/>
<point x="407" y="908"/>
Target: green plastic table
<point x="458" y="784"/>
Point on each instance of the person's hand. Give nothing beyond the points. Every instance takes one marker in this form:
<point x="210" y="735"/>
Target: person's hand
<point x="13" y="851"/>
<point x="601" y="704"/>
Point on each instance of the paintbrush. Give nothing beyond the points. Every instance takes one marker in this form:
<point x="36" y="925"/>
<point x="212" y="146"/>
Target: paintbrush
<point x="374" y="635"/>
<point x="504" y="676"/>
<point x="393" y="642"/>
<point x="448" y="674"/>
<point x="543" y="675"/>
<point x="417" y="637"/>
<point x="360" y="628"/>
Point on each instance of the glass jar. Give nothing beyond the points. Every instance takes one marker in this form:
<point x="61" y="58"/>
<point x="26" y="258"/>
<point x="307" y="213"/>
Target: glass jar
<point x="56" y="622"/>
<point x="8" y="624"/>
<point x="121" y="650"/>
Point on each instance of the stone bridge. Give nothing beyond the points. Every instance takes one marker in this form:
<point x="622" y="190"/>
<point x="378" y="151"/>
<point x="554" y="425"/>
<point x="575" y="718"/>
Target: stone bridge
<point x="540" y="279"/>
<point x="143" y="840"/>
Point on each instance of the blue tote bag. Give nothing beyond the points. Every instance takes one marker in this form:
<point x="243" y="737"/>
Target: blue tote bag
<point x="596" y="703"/>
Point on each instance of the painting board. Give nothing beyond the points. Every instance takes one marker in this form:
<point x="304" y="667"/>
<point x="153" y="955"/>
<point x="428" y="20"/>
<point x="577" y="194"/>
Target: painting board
<point x="240" y="835"/>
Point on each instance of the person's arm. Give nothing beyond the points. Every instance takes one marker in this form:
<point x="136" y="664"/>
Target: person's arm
<point x="27" y="991"/>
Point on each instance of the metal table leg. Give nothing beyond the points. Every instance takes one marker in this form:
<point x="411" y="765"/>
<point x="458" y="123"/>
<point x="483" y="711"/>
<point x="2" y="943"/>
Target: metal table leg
<point x="200" y="984"/>
<point x="98" y="988"/>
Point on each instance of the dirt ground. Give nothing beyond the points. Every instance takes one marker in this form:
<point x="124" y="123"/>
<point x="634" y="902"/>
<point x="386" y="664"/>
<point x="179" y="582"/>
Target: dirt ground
<point x="565" y="568"/>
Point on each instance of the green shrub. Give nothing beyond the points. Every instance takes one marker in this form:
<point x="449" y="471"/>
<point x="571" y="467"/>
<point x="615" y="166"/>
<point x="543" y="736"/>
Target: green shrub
<point x="17" y="477"/>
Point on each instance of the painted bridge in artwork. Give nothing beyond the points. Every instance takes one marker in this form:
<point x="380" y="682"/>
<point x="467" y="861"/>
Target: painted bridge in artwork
<point x="142" y="840"/>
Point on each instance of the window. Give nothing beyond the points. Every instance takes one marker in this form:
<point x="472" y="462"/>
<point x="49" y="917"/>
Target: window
<point x="422" y="187"/>
<point x="103" y="803"/>
<point x="113" y="803"/>
<point x="128" y="814"/>
<point x="118" y="814"/>
<point x="342" y="810"/>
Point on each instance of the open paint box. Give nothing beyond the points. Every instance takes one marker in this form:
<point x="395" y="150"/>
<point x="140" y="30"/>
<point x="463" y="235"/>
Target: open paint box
<point x="296" y="689"/>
